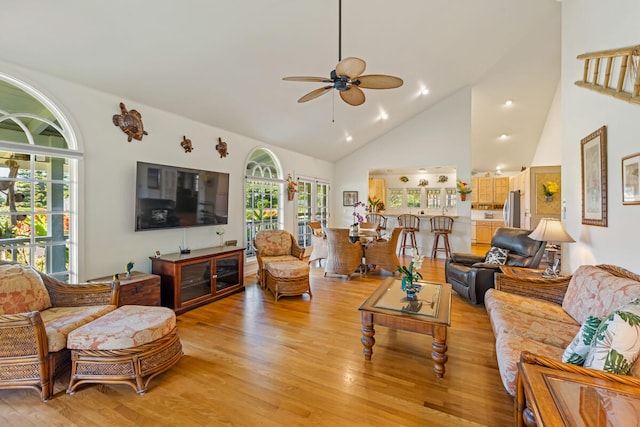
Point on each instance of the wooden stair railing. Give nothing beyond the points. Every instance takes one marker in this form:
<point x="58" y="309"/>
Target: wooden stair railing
<point x="624" y="64"/>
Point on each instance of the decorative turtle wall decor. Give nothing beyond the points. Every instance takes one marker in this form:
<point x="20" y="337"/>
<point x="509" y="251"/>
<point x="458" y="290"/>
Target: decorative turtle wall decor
<point x="186" y="144"/>
<point x="130" y="122"/>
<point x="222" y="148"/>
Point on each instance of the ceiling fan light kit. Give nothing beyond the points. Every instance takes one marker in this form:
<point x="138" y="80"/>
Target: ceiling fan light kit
<point x="346" y="78"/>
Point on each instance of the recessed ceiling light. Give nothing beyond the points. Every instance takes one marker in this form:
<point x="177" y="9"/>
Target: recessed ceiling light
<point x="384" y="116"/>
<point x="504" y="136"/>
<point x="424" y="91"/>
<point x="349" y="138"/>
<point x="508" y="103"/>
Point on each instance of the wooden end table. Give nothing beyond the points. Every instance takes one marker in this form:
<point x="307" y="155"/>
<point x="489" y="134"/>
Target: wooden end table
<point x="551" y="397"/>
<point x="429" y="315"/>
<point x="530" y="283"/>
<point x="138" y="289"/>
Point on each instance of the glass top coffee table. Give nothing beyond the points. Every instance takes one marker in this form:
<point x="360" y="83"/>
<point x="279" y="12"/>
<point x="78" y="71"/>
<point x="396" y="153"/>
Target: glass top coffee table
<point x="430" y="314"/>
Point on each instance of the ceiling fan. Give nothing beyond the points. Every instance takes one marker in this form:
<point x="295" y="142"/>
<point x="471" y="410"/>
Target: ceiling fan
<point x="347" y="78"/>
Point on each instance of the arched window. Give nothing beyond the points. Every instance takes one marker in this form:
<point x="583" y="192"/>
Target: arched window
<point x="38" y="194"/>
<point x="262" y="188"/>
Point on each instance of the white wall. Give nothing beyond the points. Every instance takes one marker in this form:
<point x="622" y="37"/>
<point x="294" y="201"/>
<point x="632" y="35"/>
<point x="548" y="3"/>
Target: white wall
<point x="439" y="136"/>
<point x="548" y="152"/>
<point x="589" y="26"/>
<point x="107" y="181"/>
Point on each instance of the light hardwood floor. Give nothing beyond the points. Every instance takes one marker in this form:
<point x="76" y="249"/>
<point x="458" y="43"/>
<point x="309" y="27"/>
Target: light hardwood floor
<point x="250" y="361"/>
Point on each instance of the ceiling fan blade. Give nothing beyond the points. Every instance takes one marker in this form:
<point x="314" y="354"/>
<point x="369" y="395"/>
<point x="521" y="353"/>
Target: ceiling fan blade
<point x="304" y="79"/>
<point x="351" y="67"/>
<point x="353" y="96"/>
<point x="315" y="93"/>
<point x="379" y="81"/>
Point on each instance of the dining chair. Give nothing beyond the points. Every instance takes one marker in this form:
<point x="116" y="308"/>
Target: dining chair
<point x="319" y="246"/>
<point x="344" y="257"/>
<point x="383" y="252"/>
<point x="379" y="219"/>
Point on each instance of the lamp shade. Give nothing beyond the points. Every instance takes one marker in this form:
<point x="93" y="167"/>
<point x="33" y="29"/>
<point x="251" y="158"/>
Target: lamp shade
<point x="551" y="230"/>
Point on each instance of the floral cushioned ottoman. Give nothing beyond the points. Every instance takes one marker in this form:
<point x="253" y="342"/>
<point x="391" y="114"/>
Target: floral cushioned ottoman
<point x="130" y="345"/>
<point x="522" y="323"/>
<point x="288" y="278"/>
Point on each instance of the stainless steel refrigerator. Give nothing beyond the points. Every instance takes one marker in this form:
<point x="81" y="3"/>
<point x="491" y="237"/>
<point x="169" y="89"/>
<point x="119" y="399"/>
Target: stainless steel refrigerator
<point x="511" y="210"/>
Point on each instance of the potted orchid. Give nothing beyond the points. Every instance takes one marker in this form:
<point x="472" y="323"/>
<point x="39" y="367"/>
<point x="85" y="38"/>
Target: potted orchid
<point x="358" y="218"/>
<point x="410" y="276"/>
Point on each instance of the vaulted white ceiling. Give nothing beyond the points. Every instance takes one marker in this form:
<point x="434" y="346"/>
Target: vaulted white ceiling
<point x="222" y="63"/>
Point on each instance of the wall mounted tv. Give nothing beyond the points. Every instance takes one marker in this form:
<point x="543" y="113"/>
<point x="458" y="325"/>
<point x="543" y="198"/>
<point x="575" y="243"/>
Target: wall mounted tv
<point x="171" y="196"/>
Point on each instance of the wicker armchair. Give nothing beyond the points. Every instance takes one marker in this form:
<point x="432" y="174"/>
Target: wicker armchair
<point x="275" y="246"/>
<point x="383" y="252"/>
<point x="319" y="247"/>
<point x="344" y="257"/>
<point x="25" y="359"/>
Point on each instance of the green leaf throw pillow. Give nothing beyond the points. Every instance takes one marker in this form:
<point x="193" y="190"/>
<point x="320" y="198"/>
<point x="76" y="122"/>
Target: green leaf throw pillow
<point x="616" y="344"/>
<point x="576" y="352"/>
<point x="496" y="256"/>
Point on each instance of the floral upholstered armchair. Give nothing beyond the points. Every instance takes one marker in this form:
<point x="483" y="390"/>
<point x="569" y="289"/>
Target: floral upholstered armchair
<point x="36" y="314"/>
<point x="275" y="246"/>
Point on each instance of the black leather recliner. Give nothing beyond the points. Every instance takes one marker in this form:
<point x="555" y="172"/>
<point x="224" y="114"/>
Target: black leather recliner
<point x="470" y="277"/>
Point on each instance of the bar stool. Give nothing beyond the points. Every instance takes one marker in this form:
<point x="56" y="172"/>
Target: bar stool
<point x="409" y="224"/>
<point x="441" y="227"/>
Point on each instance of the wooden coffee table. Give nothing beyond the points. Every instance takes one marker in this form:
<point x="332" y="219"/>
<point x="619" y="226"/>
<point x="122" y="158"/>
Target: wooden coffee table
<point x="429" y="315"/>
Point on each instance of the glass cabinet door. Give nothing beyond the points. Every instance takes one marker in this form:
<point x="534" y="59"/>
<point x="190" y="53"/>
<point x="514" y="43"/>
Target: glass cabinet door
<point x="227" y="272"/>
<point x="196" y="281"/>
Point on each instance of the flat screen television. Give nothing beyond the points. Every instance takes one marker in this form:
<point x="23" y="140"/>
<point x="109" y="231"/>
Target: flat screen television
<point x="172" y="196"/>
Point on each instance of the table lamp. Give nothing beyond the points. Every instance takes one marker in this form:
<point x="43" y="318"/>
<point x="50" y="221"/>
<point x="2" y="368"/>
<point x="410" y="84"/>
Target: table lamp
<point x="551" y="230"/>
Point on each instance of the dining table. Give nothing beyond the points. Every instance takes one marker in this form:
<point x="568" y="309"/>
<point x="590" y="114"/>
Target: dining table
<point x="366" y="237"/>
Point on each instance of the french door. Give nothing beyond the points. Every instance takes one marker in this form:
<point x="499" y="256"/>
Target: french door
<point x="312" y="205"/>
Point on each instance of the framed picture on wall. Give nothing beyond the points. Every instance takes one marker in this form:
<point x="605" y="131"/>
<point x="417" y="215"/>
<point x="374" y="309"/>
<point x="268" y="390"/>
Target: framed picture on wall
<point x="349" y="198"/>
<point x="630" y="180"/>
<point x="593" y="155"/>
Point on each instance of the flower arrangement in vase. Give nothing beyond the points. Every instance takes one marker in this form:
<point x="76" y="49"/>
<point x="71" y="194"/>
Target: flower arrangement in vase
<point x="410" y="276"/>
<point x="550" y="188"/>
<point x="463" y="188"/>
<point x="373" y="203"/>
<point x="292" y="187"/>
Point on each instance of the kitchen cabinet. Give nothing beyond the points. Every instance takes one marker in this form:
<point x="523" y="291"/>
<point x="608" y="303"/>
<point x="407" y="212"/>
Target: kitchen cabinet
<point x="500" y="191"/>
<point x="474" y="191"/>
<point x="489" y="192"/>
<point x="473" y="232"/>
<point x="485" y="191"/>
<point x="485" y="231"/>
